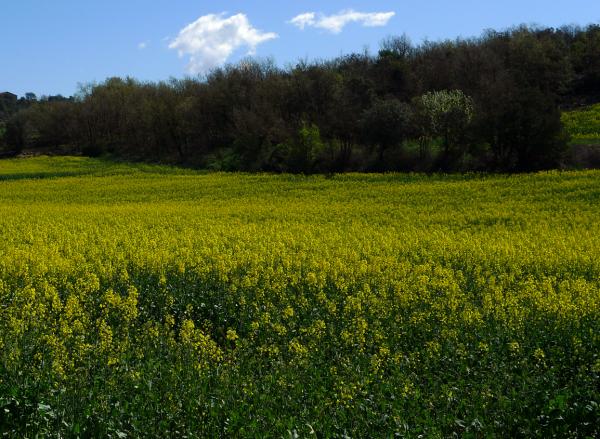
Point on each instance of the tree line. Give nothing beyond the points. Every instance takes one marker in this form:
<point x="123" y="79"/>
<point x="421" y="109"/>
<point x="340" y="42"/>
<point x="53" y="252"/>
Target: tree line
<point x="491" y="103"/>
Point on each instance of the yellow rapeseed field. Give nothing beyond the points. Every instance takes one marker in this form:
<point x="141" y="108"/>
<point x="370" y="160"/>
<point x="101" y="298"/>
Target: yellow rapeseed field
<point x="140" y="300"/>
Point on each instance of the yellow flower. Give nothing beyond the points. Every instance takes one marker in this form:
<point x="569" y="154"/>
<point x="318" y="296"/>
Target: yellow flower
<point x="539" y="355"/>
<point x="232" y="335"/>
<point x="288" y="312"/>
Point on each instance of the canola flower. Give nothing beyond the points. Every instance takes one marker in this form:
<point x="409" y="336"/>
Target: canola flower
<point x="140" y="301"/>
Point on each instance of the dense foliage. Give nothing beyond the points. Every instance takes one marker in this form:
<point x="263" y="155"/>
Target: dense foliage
<point x="145" y="301"/>
<point x="357" y="112"/>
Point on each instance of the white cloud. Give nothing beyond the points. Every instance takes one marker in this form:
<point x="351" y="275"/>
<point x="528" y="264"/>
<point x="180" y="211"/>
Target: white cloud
<point x="336" y="22"/>
<point x="303" y="20"/>
<point x="142" y="45"/>
<point x="211" y="40"/>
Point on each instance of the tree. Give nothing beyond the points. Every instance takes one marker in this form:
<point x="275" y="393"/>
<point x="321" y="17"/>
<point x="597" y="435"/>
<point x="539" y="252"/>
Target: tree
<point x="523" y="128"/>
<point x="15" y="134"/>
<point x="447" y="114"/>
<point x="303" y="152"/>
<point x="398" y="47"/>
<point x="386" y="124"/>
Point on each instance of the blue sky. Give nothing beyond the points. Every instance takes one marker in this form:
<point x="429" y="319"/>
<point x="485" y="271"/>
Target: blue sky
<point x="48" y="47"/>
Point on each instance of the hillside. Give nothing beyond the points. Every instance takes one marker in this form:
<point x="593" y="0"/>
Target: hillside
<point x="583" y="124"/>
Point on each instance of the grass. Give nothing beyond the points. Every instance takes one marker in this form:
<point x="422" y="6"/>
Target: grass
<point x="149" y="301"/>
<point x="583" y="124"/>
